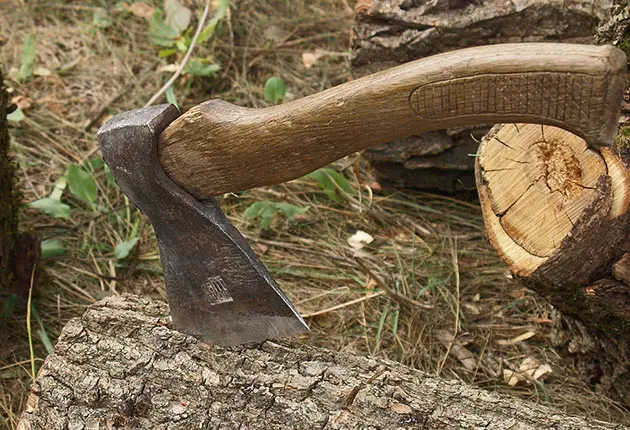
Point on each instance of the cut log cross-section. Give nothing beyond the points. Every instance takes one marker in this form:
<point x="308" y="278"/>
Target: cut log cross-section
<point x="537" y="182"/>
<point x="557" y="212"/>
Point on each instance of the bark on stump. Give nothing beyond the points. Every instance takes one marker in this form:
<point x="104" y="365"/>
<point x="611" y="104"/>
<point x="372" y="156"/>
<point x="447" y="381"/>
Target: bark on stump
<point x="8" y="203"/>
<point x="19" y="252"/>
<point x="557" y="212"/>
<point x="391" y="32"/>
<point x="121" y="366"/>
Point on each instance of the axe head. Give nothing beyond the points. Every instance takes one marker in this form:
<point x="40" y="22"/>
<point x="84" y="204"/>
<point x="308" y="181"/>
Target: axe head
<point x="217" y="288"/>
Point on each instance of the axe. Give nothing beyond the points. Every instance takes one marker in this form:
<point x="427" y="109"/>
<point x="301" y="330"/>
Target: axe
<point x="170" y="165"/>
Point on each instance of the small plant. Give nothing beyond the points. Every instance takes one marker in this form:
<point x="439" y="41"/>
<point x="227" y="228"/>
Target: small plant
<point x="52" y="205"/>
<point x="28" y="59"/>
<point x="100" y="18"/>
<point x="171" y="31"/>
<point x="80" y="181"/>
<point x="275" y="90"/>
<point x="266" y="211"/>
<point x="124" y="248"/>
<point x="51" y="248"/>
<point x="81" y="184"/>
<point x="16" y="116"/>
<point x="333" y="183"/>
<point x="25" y="72"/>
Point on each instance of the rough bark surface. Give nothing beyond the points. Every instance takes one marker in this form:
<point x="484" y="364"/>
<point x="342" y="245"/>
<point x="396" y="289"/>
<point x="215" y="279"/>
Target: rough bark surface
<point x="19" y="251"/>
<point x="615" y="28"/>
<point x="122" y="366"/>
<point x="391" y="32"/>
<point x="8" y="203"/>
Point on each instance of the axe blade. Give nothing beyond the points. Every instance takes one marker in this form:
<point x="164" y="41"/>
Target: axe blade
<point x="217" y="288"/>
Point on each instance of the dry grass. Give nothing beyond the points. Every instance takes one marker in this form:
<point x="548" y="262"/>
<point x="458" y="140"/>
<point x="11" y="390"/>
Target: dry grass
<point x="428" y="275"/>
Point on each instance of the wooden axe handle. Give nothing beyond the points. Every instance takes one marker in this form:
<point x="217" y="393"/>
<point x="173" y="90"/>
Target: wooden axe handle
<point x="217" y="147"/>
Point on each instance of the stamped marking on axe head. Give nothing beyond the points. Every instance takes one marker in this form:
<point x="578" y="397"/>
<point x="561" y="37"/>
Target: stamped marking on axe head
<point x="217" y="288"/>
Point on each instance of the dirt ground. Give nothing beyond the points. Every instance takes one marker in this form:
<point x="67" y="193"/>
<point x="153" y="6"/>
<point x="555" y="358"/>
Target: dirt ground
<point x="427" y="291"/>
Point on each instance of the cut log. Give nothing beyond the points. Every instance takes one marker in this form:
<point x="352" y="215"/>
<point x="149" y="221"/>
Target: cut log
<point x="557" y="212"/>
<point x="391" y="32"/>
<point x="121" y="366"/>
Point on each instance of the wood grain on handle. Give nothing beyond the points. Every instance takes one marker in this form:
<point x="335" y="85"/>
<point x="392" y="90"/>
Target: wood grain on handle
<point x="217" y="147"/>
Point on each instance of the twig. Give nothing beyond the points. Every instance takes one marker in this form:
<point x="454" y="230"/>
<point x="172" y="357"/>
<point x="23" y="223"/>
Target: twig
<point x="82" y="223"/>
<point x="193" y="42"/>
<point x="343" y="305"/>
<point x="56" y="144"/>
<point x="353" y="394"/>
<point x="228" y="16"/>
<point x="28" y="324"/>
<point x="456" y="270"/>
<point x="391" y="293"/>
<point x="297" y="248"/>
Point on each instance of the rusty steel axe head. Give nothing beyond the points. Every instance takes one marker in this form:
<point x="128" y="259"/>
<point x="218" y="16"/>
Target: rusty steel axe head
<point x="217" y="288"/>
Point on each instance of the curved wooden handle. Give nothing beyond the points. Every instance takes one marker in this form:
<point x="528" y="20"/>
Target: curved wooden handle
<point x="217" y="147"/>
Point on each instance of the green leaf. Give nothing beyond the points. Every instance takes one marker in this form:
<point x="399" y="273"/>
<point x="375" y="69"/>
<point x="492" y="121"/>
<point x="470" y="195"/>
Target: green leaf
<point x="290" y="210"/>
<point x="81" y="183"/>
<point x="110" y="178"/>
<point x="326" y="184"/>
<point x="332" y="182"/>
<point x="59" y="187"/>
<point x="275" y="90"/>
<point x="208" y="30"/>
<point x="254" y="210"/>
<point x="16" y="116"/>
<point x="340" y="180"/>
<point x="123" y="249"/>
<point x="96" y="162"/>
<point x="170" y="97"/>
<point x="43" y="335"/>
<point x="52" y="207"/>
<point x="265" y="212"/>
<point x="52" y="248"/>
<point x="28" y="58"/>
<point x="167" y="52"/>
<point x="181" y="45"/>
<point x="161" y="34"/>
<point x="201" y="67"/>
<point x="100" y="18"/>
<point x="177" y="15"/>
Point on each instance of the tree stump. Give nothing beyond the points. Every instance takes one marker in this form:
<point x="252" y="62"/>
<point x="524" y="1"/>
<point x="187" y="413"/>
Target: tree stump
<point x="9" y="205"/>
<point x="19" y="251"/>
<point x="121" y="366"/>
<point x="557" y="212"/>
<point x="391" y="32"/>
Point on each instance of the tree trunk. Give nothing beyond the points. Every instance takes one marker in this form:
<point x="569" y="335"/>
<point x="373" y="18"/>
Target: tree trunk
<point x="557" y="213"/>
<point x="391" y="32"/>
<point x="8" y="202"/>
<point x="121" y="366"/>
<point x="18" y="251"/>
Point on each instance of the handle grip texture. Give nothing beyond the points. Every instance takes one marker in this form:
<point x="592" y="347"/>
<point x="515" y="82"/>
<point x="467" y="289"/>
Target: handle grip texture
<point x="217" y="147"/>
